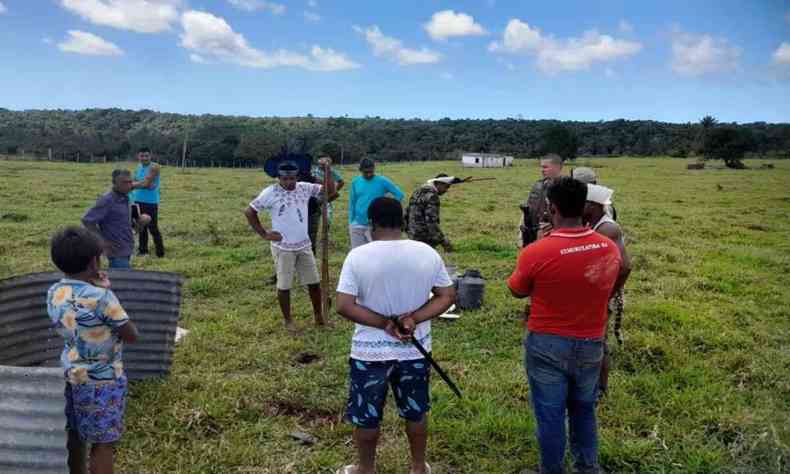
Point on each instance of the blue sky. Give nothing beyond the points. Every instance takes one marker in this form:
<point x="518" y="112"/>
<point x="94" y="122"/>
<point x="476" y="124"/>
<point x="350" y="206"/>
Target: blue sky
<point x="584" y="60"/>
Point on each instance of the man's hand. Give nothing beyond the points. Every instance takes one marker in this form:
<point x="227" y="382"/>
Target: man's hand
<point x="392" y="329"/>
<point x="102" y="280"/>
<point x="448" y="247"/>
<point x="407" y="324"/>
<point x="273" y="236"/>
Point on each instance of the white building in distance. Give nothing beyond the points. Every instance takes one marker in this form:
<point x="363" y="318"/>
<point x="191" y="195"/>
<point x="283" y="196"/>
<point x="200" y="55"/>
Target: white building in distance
<point x="485" y="160"/>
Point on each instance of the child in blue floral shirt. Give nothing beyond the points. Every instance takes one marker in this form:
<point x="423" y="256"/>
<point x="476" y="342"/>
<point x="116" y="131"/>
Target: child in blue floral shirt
<point x="94" y="327"/>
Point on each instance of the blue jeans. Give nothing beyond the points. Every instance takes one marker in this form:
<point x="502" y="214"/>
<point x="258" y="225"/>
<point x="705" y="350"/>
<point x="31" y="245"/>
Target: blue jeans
<point x="119" y="262"/>
<point x="563" y="378"/>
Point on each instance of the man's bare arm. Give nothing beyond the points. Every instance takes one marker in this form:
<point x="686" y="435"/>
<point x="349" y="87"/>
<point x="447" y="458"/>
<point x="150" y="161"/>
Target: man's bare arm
<point x="148" y="182"/>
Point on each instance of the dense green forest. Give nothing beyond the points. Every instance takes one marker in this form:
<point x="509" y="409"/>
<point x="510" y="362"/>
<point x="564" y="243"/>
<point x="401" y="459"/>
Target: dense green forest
<point x="223" y="140"/>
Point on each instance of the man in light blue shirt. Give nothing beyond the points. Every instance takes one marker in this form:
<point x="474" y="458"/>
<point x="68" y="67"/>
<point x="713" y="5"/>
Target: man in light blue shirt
<point x="365" y="189"/>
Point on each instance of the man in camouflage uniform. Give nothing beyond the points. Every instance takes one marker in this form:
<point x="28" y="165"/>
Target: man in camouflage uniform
<point x="422" y="215"/>
<point x="537" y="203"/>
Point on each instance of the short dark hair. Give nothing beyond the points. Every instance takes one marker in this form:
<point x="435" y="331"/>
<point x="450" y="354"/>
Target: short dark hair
<point x="73" y="248"/>
<point x="569" y="195"/>
<point x="386" y="212"/>
<point x="143" y="149"/>
<point x="119" y="172"/>
<point x="366" y="164"/>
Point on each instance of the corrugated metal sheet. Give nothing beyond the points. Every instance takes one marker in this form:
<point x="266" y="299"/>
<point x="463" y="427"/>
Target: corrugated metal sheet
<point x="32" y="422"/>
<point x="152" y="299"/>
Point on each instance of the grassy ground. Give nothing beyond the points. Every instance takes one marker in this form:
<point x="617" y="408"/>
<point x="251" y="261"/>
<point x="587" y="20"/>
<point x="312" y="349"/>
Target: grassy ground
<point x="701" y="385"/>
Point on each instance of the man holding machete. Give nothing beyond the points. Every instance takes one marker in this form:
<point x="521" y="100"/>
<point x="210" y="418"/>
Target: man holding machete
<point x="384" y="288"/>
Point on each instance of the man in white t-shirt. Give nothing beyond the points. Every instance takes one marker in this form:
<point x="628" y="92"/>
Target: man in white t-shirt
<point x="389" y="279"/>
<point x="286" y="201"/>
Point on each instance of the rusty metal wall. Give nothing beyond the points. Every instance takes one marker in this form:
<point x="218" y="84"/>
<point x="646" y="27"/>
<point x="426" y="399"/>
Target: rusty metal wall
<point x="152" y="299"/>
<point x="32" y="422"/>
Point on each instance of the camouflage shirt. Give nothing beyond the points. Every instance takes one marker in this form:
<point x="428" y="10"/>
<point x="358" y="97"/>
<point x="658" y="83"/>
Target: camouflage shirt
<point x="538" y="203"/>
<point x="422" y="216"/>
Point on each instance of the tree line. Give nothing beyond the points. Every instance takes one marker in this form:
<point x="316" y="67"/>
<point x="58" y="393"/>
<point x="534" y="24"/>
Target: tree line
<point x="223" y="140"/>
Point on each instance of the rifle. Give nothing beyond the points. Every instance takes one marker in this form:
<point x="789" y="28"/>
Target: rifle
<point x="528" y="233"/>
<point x="471" y="179"/>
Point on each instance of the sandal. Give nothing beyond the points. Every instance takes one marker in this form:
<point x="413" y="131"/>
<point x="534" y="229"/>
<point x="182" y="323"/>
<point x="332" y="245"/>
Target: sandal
<point x="345" y="469"/>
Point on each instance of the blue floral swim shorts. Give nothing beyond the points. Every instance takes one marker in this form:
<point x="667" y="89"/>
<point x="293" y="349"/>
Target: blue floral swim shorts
<point x="368" y="390"/>
<point x="95" y="411"/>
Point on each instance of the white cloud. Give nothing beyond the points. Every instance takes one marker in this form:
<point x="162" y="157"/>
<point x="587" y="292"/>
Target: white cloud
<point x="3" y="9"/>
<point x="142" y="16"/>
<point x="557" y="55"/>
<point x="782" y="54"/>
<point x="255" y="5"/>
<point x="392" y="48"/>
<point x="447" y="23"/>
<point x="211" y="38"/>
<point x="196" y="58"/>
<point x="697" y="55"/>
<point x="625" y="27"/>
<point x="312" y="17"/>
<point x="81" y="42"/>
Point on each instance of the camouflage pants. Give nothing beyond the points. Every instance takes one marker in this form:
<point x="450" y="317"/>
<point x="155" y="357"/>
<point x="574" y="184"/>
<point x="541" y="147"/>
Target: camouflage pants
<point x="616" y="310"/>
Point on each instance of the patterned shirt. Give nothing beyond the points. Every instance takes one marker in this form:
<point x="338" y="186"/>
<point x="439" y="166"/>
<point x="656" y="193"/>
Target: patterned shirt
<point x="88" y="318"/>
<point x="289" y="213"/>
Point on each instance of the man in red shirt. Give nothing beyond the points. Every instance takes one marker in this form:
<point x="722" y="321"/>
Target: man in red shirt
<point x="570" y="275"/>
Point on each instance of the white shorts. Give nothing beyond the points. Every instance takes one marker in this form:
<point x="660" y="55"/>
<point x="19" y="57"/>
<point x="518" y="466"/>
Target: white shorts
<point x="299" y="262"/>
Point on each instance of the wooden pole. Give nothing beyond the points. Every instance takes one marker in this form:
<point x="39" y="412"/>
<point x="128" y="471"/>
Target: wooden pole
<point x="325" y="248"/>
<point x="184" y="150"/>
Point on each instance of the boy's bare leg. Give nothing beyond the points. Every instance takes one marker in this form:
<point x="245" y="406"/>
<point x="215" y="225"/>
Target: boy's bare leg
<point x="366" y="441"/>
<point x="102" y="456"/>
<point x="78" y="454"/>
<point x="417" y="432"/>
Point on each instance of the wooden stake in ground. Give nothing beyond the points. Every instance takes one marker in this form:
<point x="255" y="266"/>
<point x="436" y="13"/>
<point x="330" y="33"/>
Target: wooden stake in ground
<point x="325" y="247"/>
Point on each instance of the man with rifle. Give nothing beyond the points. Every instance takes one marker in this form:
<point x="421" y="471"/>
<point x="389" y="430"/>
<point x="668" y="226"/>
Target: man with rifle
<point x="536" y="220"/>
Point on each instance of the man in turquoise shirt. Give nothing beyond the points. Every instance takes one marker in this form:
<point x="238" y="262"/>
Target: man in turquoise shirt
<point x="365" y="189"/>
<point x="146" y="197"/>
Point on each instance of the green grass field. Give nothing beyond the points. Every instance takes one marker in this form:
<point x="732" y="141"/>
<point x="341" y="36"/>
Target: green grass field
<point x="702" y="384"/>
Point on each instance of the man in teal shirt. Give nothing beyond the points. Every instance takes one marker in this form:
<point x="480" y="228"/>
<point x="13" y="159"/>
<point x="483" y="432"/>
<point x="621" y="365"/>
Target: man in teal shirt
<point x="365" y="189"/>
<point x="146" y="197"/>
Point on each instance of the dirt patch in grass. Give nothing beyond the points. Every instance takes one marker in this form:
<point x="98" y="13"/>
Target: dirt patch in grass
<point x="307" y="358"/>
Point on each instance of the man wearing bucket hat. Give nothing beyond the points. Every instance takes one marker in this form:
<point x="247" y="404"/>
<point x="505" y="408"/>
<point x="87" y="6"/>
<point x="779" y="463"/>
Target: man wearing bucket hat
<point x="366" y="188"/>
<point x="598" y="199"/>
<point x="290" y="243"/>
<point x="422" y="215"/>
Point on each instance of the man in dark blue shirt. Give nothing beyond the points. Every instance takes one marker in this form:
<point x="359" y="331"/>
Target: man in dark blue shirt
<point x="110" y="218"/>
